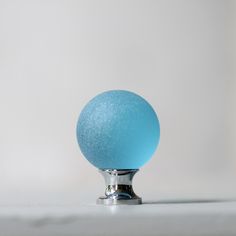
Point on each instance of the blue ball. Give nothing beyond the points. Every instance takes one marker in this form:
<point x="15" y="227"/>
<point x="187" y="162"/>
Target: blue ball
<point x="118" y="129"/>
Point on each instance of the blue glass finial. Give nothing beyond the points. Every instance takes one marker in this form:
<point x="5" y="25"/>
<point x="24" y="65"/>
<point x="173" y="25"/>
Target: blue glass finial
<point x="118" y="129"/>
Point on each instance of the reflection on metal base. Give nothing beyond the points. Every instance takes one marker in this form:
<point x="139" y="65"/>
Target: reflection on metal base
<point x="119" y="190"/>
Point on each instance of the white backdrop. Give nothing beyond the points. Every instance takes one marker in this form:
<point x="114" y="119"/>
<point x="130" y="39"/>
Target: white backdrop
<point x="56" y="55"/>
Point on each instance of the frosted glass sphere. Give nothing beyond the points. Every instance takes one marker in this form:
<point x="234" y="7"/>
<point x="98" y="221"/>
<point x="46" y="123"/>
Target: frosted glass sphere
<point x="118" y="129"/>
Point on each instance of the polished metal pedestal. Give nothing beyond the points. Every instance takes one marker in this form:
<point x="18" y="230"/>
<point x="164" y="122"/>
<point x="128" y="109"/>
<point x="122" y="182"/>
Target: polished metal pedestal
<point x="119" y="188"/>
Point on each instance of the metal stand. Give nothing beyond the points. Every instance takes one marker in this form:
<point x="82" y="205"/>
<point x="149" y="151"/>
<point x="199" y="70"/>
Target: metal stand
<point x="119" y="188"/>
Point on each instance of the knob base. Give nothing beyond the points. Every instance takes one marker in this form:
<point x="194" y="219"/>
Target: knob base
<point x="119" y="190"/>
<point x="109" y="201"/>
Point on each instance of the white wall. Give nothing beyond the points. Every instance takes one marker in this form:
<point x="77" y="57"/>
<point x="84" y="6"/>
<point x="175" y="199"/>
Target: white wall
<point x="56" y="55"/>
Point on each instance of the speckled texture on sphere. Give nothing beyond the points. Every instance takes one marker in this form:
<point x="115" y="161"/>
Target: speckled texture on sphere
<point x="118" y="130"/>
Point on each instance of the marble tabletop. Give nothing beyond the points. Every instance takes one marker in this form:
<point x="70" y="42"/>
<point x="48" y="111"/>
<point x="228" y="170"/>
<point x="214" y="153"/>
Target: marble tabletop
<point x="187" y="217"/>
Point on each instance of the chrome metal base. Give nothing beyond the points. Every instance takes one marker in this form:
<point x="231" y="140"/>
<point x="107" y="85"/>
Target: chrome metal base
<point x="119" y="190"/>
<point x="108" y="201"/>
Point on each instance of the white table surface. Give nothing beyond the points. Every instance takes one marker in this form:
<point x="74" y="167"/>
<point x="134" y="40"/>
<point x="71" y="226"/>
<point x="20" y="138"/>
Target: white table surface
<point x="151" y="218"/>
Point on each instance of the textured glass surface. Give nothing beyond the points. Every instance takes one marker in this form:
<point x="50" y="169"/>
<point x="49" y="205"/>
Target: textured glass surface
<point x="118" y="130"/>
